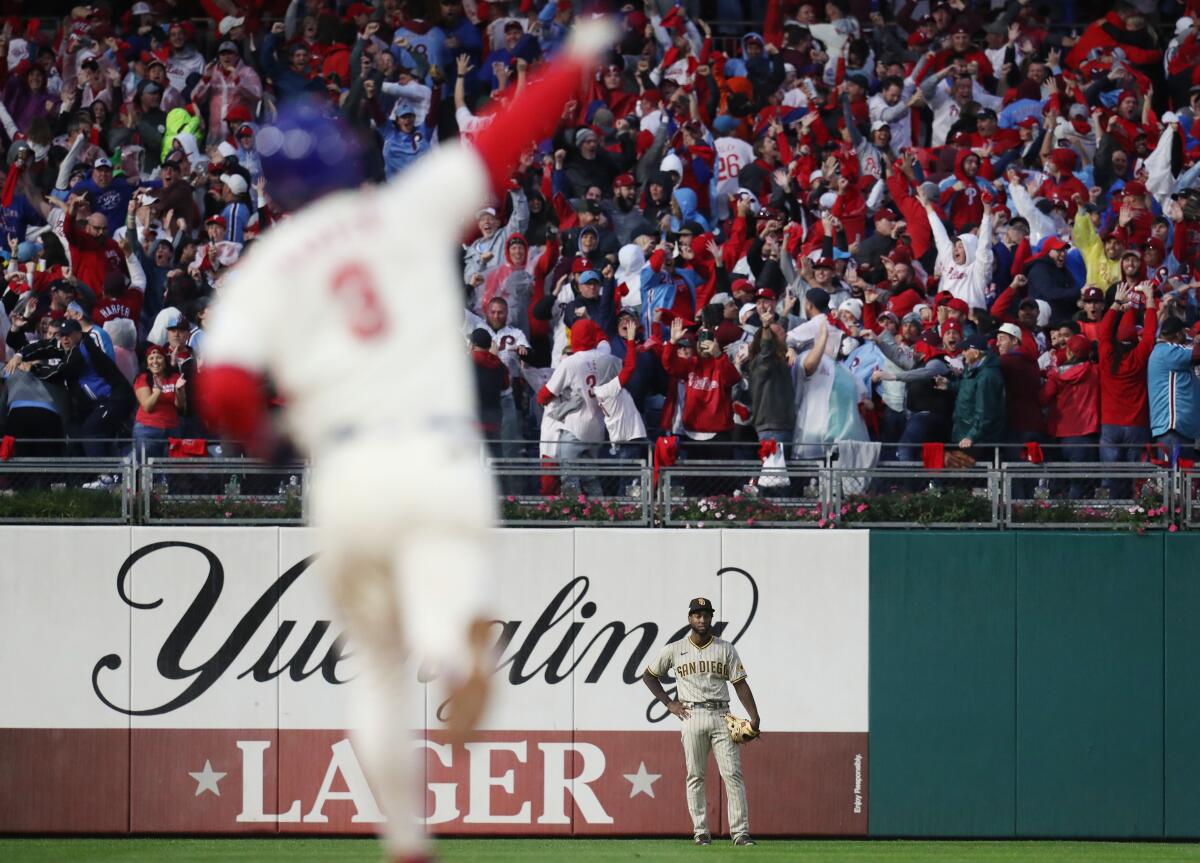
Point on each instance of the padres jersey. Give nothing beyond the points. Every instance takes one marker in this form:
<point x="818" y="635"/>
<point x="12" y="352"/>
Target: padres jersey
<point x="701" y="673"/>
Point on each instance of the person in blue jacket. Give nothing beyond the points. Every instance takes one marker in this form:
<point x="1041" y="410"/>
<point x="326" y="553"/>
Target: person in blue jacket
<point x="1174" y="390"/>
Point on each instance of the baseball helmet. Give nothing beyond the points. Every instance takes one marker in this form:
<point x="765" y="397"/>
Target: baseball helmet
<point x="307" y="153"/>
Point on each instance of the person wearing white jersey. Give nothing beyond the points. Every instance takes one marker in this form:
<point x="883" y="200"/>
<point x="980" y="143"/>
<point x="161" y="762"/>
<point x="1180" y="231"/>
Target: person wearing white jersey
<point x="703" y="665"/>
<point x="733" y="154"/>
<point x="574" y="419"/>
<point x="399" y="490"/>
<point x="966" y="262"/>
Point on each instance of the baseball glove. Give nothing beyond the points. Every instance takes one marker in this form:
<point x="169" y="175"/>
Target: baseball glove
<point x="740" y="728"/>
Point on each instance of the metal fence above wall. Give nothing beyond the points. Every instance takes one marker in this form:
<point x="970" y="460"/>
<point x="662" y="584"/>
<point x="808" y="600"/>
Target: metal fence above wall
<point x="629" y="492"/>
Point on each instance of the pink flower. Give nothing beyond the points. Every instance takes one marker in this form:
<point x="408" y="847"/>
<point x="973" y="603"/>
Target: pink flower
<point x="573" y="518"/>
<point x="845" y="508"/>
<point x="821" y="523"/>
<point x="510" y="498"/>
<point x="582" y="498"/>
<point x="587" y="510"/>
<point x="1172" y="528"/>
<point x="228" y="514"/>
<point x="862" y="507"/>
<point x="749" y="522"/>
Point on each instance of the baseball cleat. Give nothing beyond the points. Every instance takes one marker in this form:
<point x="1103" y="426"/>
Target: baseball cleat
<point x="703" y="839"/>
<point x="744" y="839"/>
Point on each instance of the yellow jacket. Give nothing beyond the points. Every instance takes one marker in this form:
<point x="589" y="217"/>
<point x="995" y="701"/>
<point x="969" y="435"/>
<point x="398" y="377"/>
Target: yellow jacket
<point x="1102" y="271"/>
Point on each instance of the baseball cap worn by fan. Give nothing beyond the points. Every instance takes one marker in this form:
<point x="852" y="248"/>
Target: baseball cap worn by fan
<point x="236" y="183"/>
<point x="1011" y="330"/>
<point x="228" y="23"/>
<point x="1079" y="345"/>
<point x="700" y="604"/>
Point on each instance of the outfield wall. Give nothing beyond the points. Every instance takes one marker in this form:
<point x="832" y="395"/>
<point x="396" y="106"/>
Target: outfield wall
<point x="174" y="680"/>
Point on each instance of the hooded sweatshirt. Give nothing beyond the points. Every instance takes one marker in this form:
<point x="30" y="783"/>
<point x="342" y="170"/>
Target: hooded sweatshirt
<point x="180" y="120"/>
<point x="965" y="206"/>
<point x="1072" y="394"/>
<point x="631" y="261"/>
<point x="511" y="283"/>
<point x="497" y="243"/>
<point x="1123" y="394"/>
<point x="688" y="202"/>
<point x="967" y="281"/>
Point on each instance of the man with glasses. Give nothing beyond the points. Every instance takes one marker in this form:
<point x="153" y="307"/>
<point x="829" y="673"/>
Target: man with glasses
<point x="94" y="253"/>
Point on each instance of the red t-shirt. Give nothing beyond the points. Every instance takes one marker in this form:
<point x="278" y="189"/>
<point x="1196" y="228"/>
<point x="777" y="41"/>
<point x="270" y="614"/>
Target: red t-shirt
<point x="127" y="305"/>
<point x="164" y="415"/>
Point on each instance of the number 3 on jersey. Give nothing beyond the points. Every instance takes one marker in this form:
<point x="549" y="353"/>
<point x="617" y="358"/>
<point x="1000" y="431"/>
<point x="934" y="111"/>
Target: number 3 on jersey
<point x="353" y="287"/>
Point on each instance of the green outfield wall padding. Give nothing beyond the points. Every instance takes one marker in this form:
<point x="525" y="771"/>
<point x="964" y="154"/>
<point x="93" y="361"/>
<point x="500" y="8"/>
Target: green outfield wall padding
<point x="942" y="689"/>
<point x="1089" y="685"/>
<point x="1181" y="762"/>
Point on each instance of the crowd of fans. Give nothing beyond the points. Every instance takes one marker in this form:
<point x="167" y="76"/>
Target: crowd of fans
<point x="881" y="226"/>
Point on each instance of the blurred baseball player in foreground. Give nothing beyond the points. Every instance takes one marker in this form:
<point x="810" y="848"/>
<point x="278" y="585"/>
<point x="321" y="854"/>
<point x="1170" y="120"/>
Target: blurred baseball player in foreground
<point x="702" y="665"/>
<point x="362" y="283"/>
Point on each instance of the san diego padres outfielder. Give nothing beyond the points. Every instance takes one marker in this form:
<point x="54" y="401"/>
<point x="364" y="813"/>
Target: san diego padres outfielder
<point x="702" y="665"/>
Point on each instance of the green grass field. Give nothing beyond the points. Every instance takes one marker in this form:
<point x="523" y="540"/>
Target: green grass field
<point x="582" y="851"/>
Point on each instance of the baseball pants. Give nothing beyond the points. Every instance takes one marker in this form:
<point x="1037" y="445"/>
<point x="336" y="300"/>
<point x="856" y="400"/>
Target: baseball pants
<point x="403" y="530"/>
<point x="705" y="731"/>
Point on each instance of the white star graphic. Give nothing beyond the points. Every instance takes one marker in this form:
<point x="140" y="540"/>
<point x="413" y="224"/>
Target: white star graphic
<point x="207" y="779"/>
<point x="642" y="782"/>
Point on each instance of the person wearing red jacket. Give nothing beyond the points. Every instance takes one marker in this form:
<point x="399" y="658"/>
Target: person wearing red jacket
<point x="705" y="413"/>
<point x="1124" y="400"/>
<point x="1062" y="185"/>
<point x="94" y="254"/>
<point x="963" y="194"/>
<point x="901" y="183"/>
<point x="1071" y="393"/>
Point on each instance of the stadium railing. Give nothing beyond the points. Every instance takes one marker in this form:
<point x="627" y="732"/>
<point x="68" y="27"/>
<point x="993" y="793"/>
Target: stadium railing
<point x="130" y="488"/>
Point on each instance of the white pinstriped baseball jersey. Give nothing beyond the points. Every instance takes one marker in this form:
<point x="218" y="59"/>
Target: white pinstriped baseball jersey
<point x="701" y="673"/>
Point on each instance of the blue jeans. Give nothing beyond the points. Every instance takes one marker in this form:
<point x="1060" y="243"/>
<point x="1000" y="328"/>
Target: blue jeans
<point x="151" y="441"/>
<point x="635" y="450"/>
<point x="922" y="427"/>
<point x="891" y="430"/>
<point x="571" y="448"/>
<point x="1078" y="449"/>
<point x="1177" y="446"/>
<point x="1121" y="444"/>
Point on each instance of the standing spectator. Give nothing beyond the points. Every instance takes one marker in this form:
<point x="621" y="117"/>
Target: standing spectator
<point x="102" y="398"/>
<point x="766" y="365"/>
<point x="1072" y="394"/>
<point x="1124" y="401"/>
<point x="705" y="413"/>
<point x="94" y="253"/>
<point x="488" y="251"/>
<point x="176" y="197"/>
<point x="1022" y="383"/>
<point x="966" y="263"/>
<point x="237" y="212"/>
<point x="184" y="64"/>
<point x="403" y="141"/>
<point x="574" y="417"/>
<point x="226" y="83"/>
<point x="160" y="393"/>
<point x="979" y="400"/>
<point x="1174" y="391"/>
<point x="491" y="381"/>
